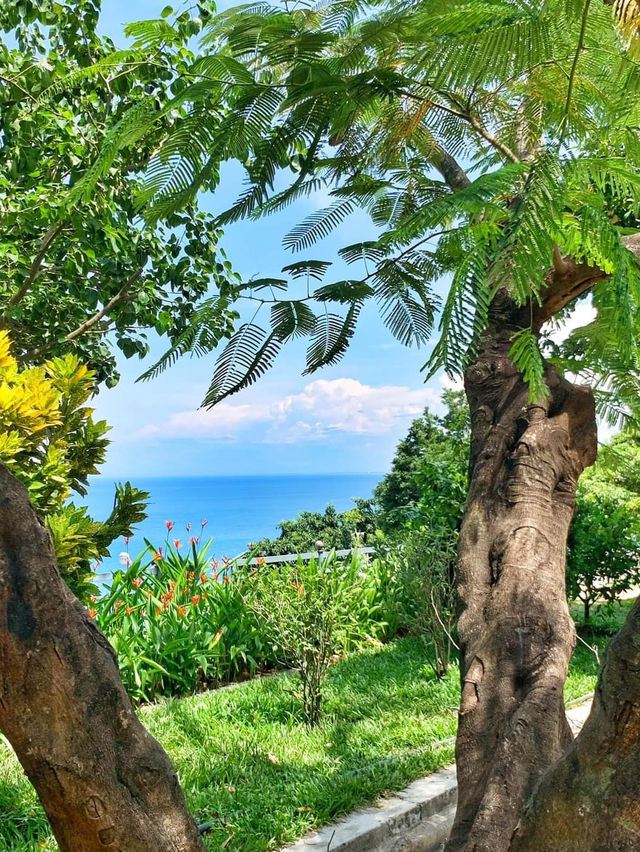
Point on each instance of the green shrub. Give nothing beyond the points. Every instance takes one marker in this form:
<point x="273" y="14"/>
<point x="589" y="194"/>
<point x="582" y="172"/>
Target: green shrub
<point x="603" y="553"/>
<point x="50" y="442"/>
<point x="335" y="530"/>
<point x="313" y="612"/>
<point x="180" y="623"/>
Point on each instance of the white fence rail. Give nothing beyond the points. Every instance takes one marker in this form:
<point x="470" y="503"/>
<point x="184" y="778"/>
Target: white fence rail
<point x="275" y="560"/>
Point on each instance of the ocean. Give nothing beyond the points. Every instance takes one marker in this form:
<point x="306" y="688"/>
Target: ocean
<point x="238" y="510"/>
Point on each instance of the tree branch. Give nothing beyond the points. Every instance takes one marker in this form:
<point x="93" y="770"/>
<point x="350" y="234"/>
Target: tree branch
<point x="88" y="324"/>
<point x="451" y="171"/>
<point x="35" y="267"/>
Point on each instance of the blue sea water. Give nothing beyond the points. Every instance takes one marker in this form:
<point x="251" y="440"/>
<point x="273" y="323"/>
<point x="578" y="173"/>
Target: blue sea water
<point x="238" y="510"/>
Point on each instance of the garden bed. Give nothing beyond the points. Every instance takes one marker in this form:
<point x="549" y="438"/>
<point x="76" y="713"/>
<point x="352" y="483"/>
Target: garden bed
<point x="250" y="766"/>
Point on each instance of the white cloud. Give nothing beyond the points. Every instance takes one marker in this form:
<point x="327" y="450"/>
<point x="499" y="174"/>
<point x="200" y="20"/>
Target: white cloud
<point x="323" y="408"/>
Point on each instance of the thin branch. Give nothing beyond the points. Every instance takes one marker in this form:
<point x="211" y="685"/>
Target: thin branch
<point x="87" y="325"/>
<point x="36" y="265"/>
<point x="120" y="296"/>
<point x="576" y="58"/>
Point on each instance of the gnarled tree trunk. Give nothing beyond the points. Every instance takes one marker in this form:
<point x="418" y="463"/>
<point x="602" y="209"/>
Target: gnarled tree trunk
<point x="590" y="799"/>
<point x="516" y="634"/>
<point x="105" y="783"/>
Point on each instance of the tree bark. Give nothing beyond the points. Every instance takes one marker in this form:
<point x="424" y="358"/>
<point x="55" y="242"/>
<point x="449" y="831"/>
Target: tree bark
<point x="104" y="782"/>
<point x="515" y="630"/>
<point x="590" y="799"/>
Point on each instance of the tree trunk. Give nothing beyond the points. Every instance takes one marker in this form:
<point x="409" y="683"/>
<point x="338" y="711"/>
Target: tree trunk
<point x="105" y="783"/>
<point x="590" y="800"/>
<point x="515" y="630"/>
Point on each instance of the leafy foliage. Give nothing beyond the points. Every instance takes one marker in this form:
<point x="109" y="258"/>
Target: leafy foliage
<point x="373" y="106"/>
<point x="81" y="274"/>
<point x="49" y="440"/>
<point x="312" y="612"/>
<point x="603" y="560"/>
<point x="181" y="623"/>
<point x="328" y="530"/>
<point x="429" y="466"/>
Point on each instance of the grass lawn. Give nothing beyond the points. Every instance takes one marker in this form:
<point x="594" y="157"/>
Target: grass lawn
<point x="248" y="764"/>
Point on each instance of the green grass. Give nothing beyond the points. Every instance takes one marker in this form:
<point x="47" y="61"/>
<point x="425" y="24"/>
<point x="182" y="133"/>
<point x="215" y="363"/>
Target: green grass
<point x="249" y="765"/>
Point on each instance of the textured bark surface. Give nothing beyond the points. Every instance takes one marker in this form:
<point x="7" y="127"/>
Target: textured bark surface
<point x="105" y="783"/>
<point x="515" y="630"/>
<point x="590" y="800"/>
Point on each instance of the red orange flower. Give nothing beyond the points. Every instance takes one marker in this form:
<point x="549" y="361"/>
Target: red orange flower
<point x="177" y="543"/>
<point x="195" y="600"/>
<point x="137" y="582"/>
<point x="260" y="560"/>
<point x="169" y="525"/>
<point x="92" y="612"/>
<point x="182" y="610"/>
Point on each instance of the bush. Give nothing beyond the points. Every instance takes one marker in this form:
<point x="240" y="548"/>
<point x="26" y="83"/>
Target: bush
<point x="180" y="623"/>
<point x="313" y="612"/>
<point x="336" y="531"/>
<point x="49" y="440"/>
<point x="603" y="554"/>
<point x="424" y="569"/>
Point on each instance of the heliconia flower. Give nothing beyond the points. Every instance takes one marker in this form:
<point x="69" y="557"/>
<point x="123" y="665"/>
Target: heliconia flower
<point x="172" y="584"/>
<point x="119" y="604"/>
<point x="214" y="564"/>
<point x="158" y="610"/>
<point x="177" y="543"/>
<point x="251" y="545"/>
<point x="203" y="578"/>
<point x="203" y="523"/>
<point x="215" y="577"/>
<point x="260" y="560"/>
<point x="169" y="525"/>
<point x="225" y="579"/>
<point x="192" y="575"/>
<point x="93" y="599"/>
<point x="189" y="527"/>
<point x="195" y="600"/>
<point x="137" y="582"/>
<point x="127" y="539"/>
<point x="182" y="610"/>
<point x="130" y="609"/>
<point x="194" y="540"/>
<point x="92" y="612"/>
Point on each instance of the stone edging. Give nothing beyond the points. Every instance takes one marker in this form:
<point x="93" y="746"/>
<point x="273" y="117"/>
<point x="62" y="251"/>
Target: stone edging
<point x="416" y="820"/>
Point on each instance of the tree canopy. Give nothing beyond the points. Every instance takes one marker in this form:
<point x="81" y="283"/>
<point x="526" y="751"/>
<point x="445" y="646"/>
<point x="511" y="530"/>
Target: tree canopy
<point x="81" y="277"/>
<point x="492" y="142"/>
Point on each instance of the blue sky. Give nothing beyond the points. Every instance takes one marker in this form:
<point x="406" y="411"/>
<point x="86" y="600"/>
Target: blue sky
<point x="346" y="418"/>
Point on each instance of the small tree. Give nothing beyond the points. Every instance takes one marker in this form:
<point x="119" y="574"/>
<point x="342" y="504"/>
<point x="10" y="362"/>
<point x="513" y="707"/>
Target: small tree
<point x="311" y="613"/>
<point x="603" y="554"/>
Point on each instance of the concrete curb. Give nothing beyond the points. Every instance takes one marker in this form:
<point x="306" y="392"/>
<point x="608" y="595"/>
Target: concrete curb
<point x="379" y="826"/>
<point x="416" y="820"/>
